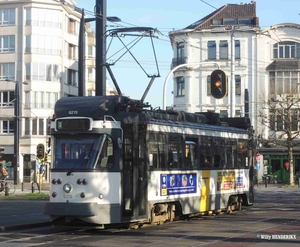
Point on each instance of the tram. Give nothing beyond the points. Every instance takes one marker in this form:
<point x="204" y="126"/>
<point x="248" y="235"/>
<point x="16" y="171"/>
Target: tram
<point x="115" y="160"/>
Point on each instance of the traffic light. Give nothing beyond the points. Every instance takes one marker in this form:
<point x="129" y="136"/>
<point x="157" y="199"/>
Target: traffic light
<point x="40" y="151"/>
<point x="218" y="84"/>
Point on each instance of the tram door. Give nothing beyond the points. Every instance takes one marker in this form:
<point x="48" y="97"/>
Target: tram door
<point x="134" y="171"/>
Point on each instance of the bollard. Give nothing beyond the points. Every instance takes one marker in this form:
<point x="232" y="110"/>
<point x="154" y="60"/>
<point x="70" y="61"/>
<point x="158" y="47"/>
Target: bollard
<point x="22" y="186"/>
<point x="266" y="181"/>
<point x="6" y="189"/>
<point x="32" y="188"/>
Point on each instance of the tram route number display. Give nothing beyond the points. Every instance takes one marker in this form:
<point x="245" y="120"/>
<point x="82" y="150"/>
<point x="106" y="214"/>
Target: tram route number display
<point x="177" y="184"/>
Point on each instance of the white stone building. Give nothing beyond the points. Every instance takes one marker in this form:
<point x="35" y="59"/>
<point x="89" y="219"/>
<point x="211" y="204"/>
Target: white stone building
<point x="39" y="46"/>
<point x="260" y="64"/>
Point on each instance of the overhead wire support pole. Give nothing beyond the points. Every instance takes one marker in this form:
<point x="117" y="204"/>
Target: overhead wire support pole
<point x="100" y="10"/>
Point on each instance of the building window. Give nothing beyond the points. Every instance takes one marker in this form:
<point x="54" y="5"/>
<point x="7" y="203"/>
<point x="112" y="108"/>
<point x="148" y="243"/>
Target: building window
<point x="212" y="50"/>
<point x="73" y="51"/>
<point x="237" y="49"/>
<point x="278" y="121"/>
<point x="91" y="74"/>
<point x="7" y="43"/>
<point x="72" y="77"/>
<point x="283" y="82"/>
<point x="223" y="49"/>
<point x="41" y="127"/>
<point x="7" y="17"/>
<point x="7" y="127"/>
<point x="6" y="98"/>
<point x="229" y="21"/>
<point x="73" y="27"/>
<point x="43" y="17"/>
<point x="39" y="44"/>
<point x="91" y="51"/>
<point x="180" y="55"/>
<point x="216" y="22"/>
<point x="286" y="49"/>
<point x="208" y="85"/>
<point x="7" y="71"/>
<point x="223" y="113"/>
<point x="237" y="85"/>
<point x="41" y="72"/>
<point x="294" y="120"/>
<point x="245" y="21"/>
<point x="180" y="86"/>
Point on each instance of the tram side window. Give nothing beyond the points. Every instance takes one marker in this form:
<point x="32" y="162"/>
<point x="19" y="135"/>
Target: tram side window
<point x="242" y="151"/>
<point x="191" y="154"/>
<point x="174" y="151"/>
<point x="231" y="153"/>
<point x="106" y="155"/>
<point x="158" y="150"/>
<point x="206" y="161"/>
<point x="219" y="153"/>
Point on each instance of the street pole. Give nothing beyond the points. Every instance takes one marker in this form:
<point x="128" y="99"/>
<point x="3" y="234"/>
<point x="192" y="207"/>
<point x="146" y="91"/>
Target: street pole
<point x="100" y="10"/>
<point x="81" y="56"/>
<point x="16" y="132"/>
<point x="232" y="81"/>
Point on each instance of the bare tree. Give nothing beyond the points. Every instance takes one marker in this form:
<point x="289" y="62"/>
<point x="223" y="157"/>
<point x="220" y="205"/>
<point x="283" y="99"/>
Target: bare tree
<point x="280" y="115"/>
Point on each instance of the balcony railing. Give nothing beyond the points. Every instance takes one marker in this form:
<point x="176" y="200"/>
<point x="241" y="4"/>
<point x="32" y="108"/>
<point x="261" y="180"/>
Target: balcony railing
<point x="177" y="61"/>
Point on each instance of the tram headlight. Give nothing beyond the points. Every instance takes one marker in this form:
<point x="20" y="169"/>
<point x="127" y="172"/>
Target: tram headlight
<point x="59" y="181"/>
<point x="67" y="188"/>
<point x="79" y="181"/>
<point x="54" y="194"/>
<point x="54" y="181"/>
<point x="84" y="182"/>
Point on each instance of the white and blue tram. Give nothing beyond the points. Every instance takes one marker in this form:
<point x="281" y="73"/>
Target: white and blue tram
<point x="115" y="162"/>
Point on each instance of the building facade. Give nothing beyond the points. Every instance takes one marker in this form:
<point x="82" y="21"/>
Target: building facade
<point x="259" y="64"/>
<point x="39" y="53"/>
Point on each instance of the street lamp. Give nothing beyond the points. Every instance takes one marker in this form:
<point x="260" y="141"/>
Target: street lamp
<point x="17" y="111"/>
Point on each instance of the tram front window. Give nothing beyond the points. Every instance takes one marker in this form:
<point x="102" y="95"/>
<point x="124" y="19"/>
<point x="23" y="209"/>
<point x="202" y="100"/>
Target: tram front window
<point x="77" y="152"/>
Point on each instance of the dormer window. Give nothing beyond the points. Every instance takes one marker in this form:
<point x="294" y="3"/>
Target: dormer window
<point x="245" y="21"/>
<point x="217" y="22"/>
<point x="229" y="21"/>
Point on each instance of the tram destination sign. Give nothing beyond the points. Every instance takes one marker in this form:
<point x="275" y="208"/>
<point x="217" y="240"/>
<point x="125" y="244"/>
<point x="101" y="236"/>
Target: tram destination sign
<point x="73" y="124"/>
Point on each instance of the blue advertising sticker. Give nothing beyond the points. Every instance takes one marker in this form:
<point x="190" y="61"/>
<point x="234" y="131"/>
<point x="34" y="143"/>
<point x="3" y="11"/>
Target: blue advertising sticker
<point x="177" y="184"/>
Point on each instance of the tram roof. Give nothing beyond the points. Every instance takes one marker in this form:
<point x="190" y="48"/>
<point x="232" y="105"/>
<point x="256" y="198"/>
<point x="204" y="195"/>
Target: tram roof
<point x="125" y="108"/>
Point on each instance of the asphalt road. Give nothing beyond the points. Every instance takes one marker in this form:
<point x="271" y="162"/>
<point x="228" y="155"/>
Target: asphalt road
<point x="274" y="220"/>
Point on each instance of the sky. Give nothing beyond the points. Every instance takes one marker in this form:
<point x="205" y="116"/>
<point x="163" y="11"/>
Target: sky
<point x="166" y="16"/>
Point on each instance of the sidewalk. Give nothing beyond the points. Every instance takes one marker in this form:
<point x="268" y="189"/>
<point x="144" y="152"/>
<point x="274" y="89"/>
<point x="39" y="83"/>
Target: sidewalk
<point x="26" y="188"/>
<point x="276" y="187"/>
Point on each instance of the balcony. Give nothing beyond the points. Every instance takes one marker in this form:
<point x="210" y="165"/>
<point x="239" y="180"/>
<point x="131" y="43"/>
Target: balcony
<point x="177" y="61"/>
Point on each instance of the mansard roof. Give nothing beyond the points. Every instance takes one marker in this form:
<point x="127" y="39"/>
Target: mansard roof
<point x="229" y="11"/>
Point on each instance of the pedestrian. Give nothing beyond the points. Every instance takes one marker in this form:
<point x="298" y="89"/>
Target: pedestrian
<point x="3" y="176"/>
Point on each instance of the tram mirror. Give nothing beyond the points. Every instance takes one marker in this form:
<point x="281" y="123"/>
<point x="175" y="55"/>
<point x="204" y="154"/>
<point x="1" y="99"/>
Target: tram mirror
<point x="120" y="143"/>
